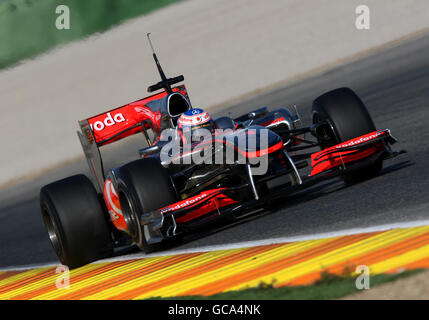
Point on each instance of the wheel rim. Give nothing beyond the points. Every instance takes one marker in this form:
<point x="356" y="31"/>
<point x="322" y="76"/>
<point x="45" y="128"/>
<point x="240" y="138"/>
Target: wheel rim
<point x="130" y="217"/>
<point x="52" y="229"/>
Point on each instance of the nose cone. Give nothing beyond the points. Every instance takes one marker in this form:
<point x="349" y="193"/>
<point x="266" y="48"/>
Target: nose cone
<point x="254" y="141"/>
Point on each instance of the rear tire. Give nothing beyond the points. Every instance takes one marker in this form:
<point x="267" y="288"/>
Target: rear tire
<point x="144" y="186"/>
<point x="76" y="221"/>
<point x="349" y="118"/>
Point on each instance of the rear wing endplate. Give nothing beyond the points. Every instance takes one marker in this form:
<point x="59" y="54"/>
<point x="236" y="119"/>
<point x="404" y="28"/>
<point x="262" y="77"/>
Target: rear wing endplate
<point x="92" y="154"/>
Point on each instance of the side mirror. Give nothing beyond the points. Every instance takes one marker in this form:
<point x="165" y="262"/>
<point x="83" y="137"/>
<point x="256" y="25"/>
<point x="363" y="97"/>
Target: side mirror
<point x="149" y="151"/>
<point x="258" y="113"/>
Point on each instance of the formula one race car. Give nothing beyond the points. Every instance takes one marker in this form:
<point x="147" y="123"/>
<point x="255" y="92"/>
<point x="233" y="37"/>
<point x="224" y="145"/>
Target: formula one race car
<point x="160" y="196"/>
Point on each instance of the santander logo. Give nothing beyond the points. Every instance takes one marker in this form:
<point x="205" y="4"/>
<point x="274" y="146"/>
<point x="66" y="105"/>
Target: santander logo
<point x="108" y="121"/>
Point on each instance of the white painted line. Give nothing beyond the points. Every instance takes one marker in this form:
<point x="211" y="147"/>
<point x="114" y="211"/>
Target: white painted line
<point x="247" y="244"/>
<point x="29" y="267"/>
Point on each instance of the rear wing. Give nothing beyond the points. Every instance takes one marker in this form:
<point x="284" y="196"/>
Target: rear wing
<point x="127" y="120"/>
<point x="117" y="124"/>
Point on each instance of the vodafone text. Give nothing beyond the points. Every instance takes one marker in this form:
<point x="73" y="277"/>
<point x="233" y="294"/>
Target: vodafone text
<point x="360" y="140"/>
<point x="184" y="203"/>
<point x="108" y="121"/>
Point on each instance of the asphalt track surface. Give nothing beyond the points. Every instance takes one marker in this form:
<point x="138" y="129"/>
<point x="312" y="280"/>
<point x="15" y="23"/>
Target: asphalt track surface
<point x="394" y="84"/>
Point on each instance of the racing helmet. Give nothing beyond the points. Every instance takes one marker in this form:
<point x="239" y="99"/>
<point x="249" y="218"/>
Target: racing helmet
<point x="194" y="122"/>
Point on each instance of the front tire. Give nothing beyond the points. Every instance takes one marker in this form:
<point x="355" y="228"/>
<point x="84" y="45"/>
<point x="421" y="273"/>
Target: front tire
<point x="76" y="221"/>
<point x="144" y="185"/>
<point x="349" y="118"/>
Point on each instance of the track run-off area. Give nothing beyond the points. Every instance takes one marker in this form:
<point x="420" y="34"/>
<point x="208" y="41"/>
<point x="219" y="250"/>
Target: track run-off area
<point x="216" y="271"/>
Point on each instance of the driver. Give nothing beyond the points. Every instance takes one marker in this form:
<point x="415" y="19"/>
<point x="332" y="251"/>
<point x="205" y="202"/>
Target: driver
<point x="194" y="123"/>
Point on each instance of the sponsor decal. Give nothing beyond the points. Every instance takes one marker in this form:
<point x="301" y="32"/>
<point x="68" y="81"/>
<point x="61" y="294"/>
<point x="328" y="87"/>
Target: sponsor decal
<point x="108" y="121"/>
<point x="183" y="204"/>
<point x="147" y="112"/>
<point x="360" y="140"/>
<point x="112" y="200"/>
<point x="154" y="116"/>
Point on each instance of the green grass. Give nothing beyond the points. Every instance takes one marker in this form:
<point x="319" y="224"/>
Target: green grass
<point x="329" y="287"/>
<point x="27" y="27"/>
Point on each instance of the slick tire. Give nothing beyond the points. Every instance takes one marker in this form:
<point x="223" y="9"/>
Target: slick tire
<point x="144" y="186"/>
<point x="349" y="118"/>
<point x="76" y="221"/>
